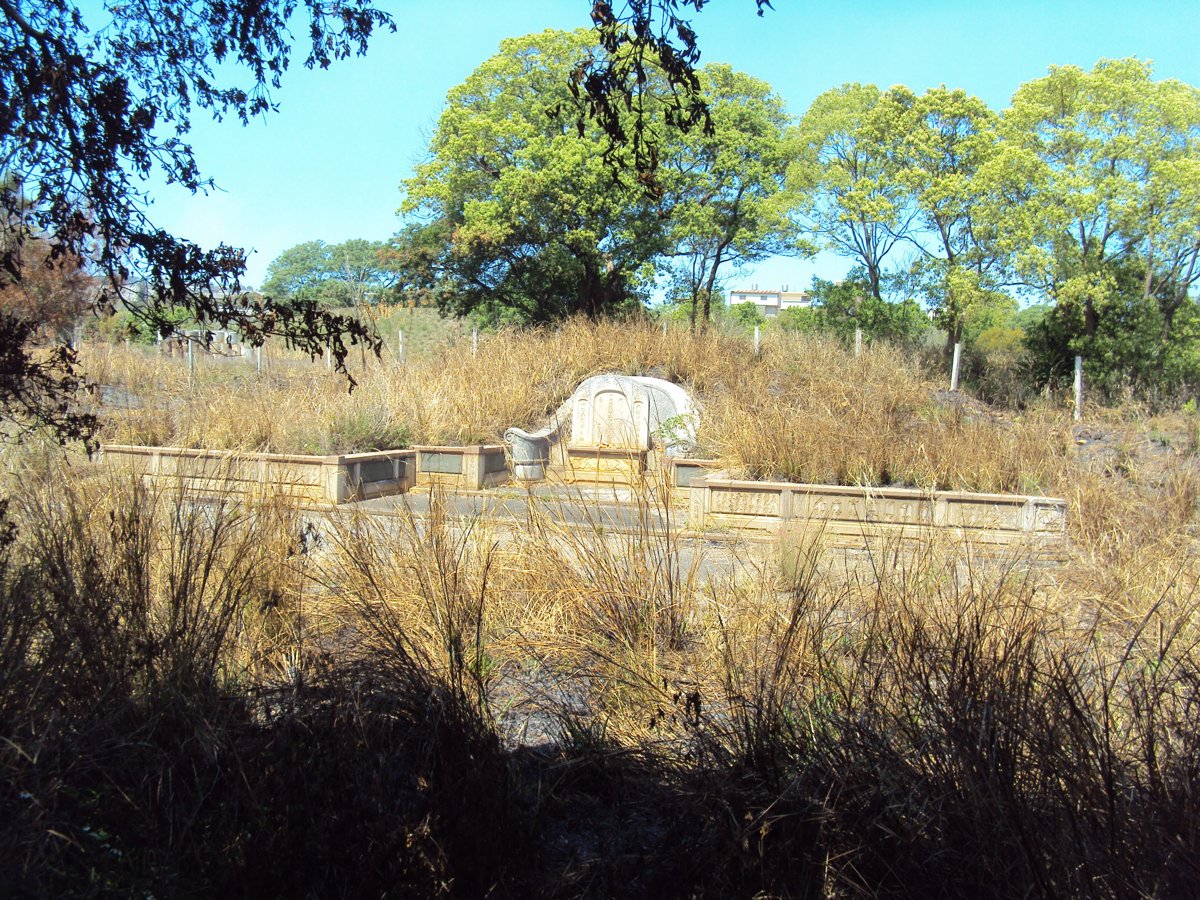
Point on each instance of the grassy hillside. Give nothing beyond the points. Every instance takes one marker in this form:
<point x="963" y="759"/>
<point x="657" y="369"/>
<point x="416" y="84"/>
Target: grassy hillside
<point x="805" y="409"/>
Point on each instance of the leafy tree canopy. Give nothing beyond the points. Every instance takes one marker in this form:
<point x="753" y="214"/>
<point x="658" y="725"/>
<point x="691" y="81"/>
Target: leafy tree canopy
<point x="841" y="307"/>
<point x="946" y="152"/>
<point x="517" y="216"/>
<point x="845" y="177"/>
<point x="642" y="72"/>
<point x="535" y="226"/>
<point x="1116" y="181"/>
<point x="726" y="187"/>
<point x="93" y="99"/>
<point x="352" y="273"/>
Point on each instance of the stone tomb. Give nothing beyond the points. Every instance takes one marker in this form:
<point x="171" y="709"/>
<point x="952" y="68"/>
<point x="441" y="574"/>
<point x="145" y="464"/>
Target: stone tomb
<point x="616" y="423"/>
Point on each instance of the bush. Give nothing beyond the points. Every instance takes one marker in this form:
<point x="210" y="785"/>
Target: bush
<point x="745" y="315"/>
<point x="172" y="723"/>
<point x="123" y="326"/>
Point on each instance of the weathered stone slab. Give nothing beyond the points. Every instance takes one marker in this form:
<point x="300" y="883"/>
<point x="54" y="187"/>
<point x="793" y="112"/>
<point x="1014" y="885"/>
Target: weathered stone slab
<point x="987" y="511"/>
<point x="852" y="504"/>
<point x="743" y="502"/>
<point x="469" y="468"/>
<point x="684" y="471"/>
<point x="604" y="465"/>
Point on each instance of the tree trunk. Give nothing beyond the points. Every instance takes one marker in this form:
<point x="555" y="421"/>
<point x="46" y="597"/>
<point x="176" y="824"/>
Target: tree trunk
<point x="1091" y="319"/>
<point x="594" y="290"/>
<point x="875" y="279"/>
<point x="710" y="286"/>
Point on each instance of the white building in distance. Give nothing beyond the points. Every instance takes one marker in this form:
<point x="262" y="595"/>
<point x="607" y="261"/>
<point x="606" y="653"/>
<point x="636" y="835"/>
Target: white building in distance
<point x="770" y="303"/>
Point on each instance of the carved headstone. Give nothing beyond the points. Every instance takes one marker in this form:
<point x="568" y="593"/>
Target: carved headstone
<point x="615" y="411"/>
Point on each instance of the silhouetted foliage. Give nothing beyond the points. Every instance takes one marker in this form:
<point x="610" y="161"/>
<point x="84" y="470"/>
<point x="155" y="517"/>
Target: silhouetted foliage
<point x="641" y="42"/>
<point x="87" y="115"/>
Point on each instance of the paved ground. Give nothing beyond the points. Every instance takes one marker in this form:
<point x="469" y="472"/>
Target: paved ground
<point x="618" y="512"/>
<point x="613" y="512"/>
<point x="591" y="507"/>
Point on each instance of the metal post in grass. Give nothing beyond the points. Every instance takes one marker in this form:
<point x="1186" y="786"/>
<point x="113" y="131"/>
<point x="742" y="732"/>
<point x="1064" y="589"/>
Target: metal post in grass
<point x="757" y="341"/>
<point x="954" y="367"/>
<point x="857" y="341"/>
<point x="258" y="358"/>
<point x="329" y="358"/>
<point x="191" y="357"/>
<point x="400" y="346"/>
<point x="474" y="341"/>
<point x="1078" y="388"/>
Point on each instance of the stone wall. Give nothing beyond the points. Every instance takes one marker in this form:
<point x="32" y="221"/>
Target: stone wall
<point x="849" y="514"/>
<point x="305" y="479"/>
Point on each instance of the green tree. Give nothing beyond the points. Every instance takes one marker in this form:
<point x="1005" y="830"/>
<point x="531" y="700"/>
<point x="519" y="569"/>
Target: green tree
<point x="354" y="273"/>
<point x="1111" y="227"/>
<point x="947" y="153"/>
<point x="412" y="255"/>
<point x="535" y="225"/>
<point x="842" y="307"/>
<point x="1117" y="183"/>
<point x="802" y="319"/>
<point x="850" y="304"/>
<point x="1126" y="354"/>
<point x="745" y="315"/>
<point x="725" y="188"/>
<point x="642" y="73"/>
<point x="94" y="99"/>
<point x="1170" y="247"/>
<point x="845" y="178"/>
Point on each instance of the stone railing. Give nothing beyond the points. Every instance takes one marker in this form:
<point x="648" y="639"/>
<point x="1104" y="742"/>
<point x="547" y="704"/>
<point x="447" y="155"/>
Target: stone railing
<point x="851" y="513"/>
<point x="307" y="479"/>
<point x="469" y="468"/>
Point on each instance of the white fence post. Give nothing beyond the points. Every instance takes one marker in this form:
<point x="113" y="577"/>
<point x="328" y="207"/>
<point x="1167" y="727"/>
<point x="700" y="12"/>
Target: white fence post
<point x="954" y="367"/>
<point x="1078" y="388"/>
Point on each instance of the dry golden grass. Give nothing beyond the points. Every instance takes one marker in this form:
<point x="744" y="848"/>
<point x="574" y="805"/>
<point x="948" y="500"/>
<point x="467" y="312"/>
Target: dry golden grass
<point x="263" y="682"/>
<point x="983" y="716"/>
<point x="811" y="412"/>
<point x="614" y="617"/>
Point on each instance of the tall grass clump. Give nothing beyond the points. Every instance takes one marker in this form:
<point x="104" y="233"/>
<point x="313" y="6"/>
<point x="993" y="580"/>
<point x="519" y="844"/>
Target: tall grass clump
<point x="811" y="411"/>
<point x="177" y="716"/>
<point x="934" y="724"/>
<point x="580" y="702"/>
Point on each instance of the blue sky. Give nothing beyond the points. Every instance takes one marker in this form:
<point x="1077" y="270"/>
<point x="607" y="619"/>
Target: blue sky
<point x="329" y="164"/>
